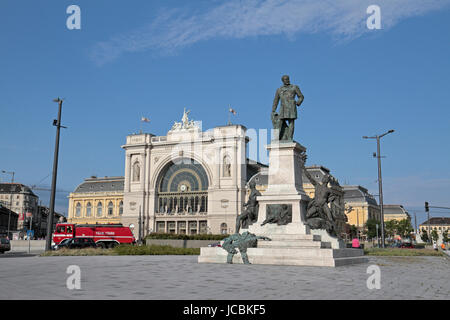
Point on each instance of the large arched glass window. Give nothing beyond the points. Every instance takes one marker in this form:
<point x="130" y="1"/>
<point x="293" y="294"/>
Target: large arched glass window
<point x="110" y="208"/>
<point x="78" y="210"/>
<point x="99" y="209"/>
<point x="121" y="208"/>
<point x="88" y="209"/>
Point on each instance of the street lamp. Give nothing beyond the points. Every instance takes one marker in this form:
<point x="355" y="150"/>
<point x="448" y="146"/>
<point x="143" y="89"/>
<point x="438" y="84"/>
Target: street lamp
<point x="12" y="173"/>
<point x="57" y="124"/>
<point x="380" y="183"/>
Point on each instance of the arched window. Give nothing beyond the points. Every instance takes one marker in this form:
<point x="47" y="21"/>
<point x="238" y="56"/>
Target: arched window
<point x="110" y="208"/>
<point x="136" y="171"/>
<point x="223" y="228"/>
<point x="88" y="209"/>
<point x="99" y="209"/>
<point x="121" y="208"/>
<point x="78" y="210"/>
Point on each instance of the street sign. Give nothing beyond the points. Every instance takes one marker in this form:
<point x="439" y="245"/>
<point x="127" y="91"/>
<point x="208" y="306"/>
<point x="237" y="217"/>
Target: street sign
<point x="30" y="233"/>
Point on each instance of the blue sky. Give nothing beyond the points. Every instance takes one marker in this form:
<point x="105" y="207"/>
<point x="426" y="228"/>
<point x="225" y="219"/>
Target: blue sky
<point x="154" y="58"/>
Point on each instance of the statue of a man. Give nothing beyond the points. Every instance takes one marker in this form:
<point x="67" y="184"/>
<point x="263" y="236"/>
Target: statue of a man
<point x="288" y="108"/>
<point x="250" y="213"/>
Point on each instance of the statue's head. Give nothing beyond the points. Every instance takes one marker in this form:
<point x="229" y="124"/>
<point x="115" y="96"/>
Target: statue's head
<point x="252" y="184"/>
<point x="285" y="79"/>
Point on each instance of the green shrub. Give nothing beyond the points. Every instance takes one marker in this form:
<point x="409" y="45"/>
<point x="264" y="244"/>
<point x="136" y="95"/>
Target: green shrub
<point x="401" y="252"/>
<point x="173" y="236"/>
<point x="154" y="250"/>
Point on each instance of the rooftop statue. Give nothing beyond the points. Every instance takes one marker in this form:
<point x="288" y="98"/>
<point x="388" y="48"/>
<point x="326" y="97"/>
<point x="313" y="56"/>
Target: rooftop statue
<point x="288" y="109"/>
<point x="185" y="122"/>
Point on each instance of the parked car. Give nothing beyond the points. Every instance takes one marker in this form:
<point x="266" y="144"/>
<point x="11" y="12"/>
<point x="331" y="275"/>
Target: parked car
<point x="5" y="245"/>
<point x="215" y="244"/>
<point x="407" y="245"/>
<point x="78" y="243"/>
<point x="61" y="244"/>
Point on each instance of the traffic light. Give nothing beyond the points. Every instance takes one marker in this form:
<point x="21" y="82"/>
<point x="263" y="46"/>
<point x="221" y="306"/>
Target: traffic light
<point x="427" y="209"/>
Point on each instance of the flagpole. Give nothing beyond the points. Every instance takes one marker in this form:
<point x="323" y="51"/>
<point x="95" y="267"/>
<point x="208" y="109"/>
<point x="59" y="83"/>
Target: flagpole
<point x="229" y="114"/>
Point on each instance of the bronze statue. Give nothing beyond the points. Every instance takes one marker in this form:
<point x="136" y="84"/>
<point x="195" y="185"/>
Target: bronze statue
<point x="288" y="109"/>
<point x="281" y="214"/>
<point x="250" y="214"/>
<point x="318" y="213"/>
<point x="241" y="242"/>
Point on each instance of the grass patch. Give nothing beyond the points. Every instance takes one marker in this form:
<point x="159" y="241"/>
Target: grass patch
<point x="397" y="252"/>
<point x="173" y="236"/>
<point x="78" y="252"/>
<point x="123" y="250"/>
<point x="154" y="250"/>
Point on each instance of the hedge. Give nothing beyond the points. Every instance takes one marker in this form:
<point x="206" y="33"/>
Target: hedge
<point x="174" y="236"/>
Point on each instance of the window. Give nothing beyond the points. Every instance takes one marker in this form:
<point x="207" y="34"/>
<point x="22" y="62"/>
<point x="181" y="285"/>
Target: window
<point x="223" y="228"/>
<point x="192" y="227"/>
<point x="69" y="229"/>
<point x="110" y="208"/>
<point x="88" y="209"/>
<point x="203" y="227"/>
<point x="121" y="207"/>
<point x="78" y="210"/>
<point x="61" y="229"/>
<point x="99" y="209"/>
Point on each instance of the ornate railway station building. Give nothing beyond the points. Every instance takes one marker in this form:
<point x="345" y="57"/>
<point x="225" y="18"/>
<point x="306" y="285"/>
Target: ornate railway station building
<point x="188" y="181"/>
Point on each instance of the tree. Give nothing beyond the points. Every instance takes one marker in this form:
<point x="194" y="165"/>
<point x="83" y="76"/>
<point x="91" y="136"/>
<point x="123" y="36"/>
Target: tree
<point x="353" y="231"/>
<point x="391" y="228"/>
<point x="424" y="235"/>
<point x="371" y="228"/>
<point x="434" y="235"/>
<point x="445" y="236"/>
<point x="404" y="228"/>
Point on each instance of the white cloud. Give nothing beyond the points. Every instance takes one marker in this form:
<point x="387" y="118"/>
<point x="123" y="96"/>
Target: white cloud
<point x="237" y="19"/>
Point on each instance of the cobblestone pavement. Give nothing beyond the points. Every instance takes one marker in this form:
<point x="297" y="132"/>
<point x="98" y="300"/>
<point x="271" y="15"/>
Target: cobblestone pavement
<point x="181" y="277"/>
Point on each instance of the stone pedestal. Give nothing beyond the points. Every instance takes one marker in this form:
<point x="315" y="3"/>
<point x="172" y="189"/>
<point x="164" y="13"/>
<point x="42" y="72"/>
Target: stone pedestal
<point x="292" y="243"/>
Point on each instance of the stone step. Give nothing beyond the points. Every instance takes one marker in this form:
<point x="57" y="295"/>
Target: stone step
<point x="295" y="237"/>
<point x="282" y="253"/>
<point x="293" y="244"/>
<point x="286" y="260"/>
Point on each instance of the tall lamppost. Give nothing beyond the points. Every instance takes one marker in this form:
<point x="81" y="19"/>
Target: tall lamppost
<point x="57" y="124"/>
<point x="380" y="183"/>
<point x="12" y="173"/>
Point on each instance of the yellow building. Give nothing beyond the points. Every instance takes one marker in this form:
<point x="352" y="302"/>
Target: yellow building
<point x="395" y="212"/>
<point x="360" y="206"/>
<point x="440" y="224"/>
<point x="97" y="201"/>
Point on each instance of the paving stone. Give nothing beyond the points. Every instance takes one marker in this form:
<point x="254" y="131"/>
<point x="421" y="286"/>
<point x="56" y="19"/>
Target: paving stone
<point x="181" y="277"/>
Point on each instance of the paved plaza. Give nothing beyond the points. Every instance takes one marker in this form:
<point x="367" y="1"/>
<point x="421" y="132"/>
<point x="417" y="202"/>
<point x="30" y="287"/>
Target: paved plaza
<point x="181" y="277"/>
